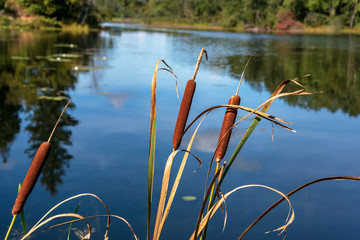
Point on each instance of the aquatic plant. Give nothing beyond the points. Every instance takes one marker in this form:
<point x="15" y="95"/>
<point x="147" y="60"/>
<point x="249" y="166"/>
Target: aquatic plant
<point x="213" y="197"/>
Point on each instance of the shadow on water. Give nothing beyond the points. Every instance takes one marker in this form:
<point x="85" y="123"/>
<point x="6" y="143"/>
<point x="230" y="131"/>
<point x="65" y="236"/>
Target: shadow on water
<point x="38" y="69"/>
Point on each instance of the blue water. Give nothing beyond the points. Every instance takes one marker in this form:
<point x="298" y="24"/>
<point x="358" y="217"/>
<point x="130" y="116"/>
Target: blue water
<point x="108" y="144"/>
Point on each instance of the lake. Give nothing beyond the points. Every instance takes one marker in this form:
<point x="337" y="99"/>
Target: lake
<point x="101" y="146"/>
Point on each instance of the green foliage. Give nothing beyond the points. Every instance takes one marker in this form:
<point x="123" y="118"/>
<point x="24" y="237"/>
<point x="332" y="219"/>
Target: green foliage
<point x="41" y="21"/>
<point x="231" y="13"/>
<point x="204" y="10"/>
<point x="234" y="13"/>
<point x="227" y="13"/>
<point x="70" y="11"/>
<point x="164" y="8"/>
<point x="5" y="21"/>
<point x="2" y="4"/>
<point x="313" y="19"/>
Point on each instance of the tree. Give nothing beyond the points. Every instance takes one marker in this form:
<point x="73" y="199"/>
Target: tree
<point x="354" y="13"/>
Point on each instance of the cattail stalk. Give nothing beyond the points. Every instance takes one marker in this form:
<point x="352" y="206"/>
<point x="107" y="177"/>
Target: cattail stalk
<point x="34" y="170"/>
<point x="226" y="128"/>
<point x="186" y="104"/>
<point x="229" y="120"/>
<point x="33" y="174"/>
<point x="31" y="177"/>
<point x="225" y="132"/>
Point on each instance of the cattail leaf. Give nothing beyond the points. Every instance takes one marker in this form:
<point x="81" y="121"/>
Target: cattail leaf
<point x="162" y="215"/>
<point x="77" y="208"/>
<point x="22" y="214"/>
<point x="262" y="114"/>
<point x="293" y="192"/>
<point x="265" y="107"/>
<point x="151" y="159"/>
<point x="94" y="216"/>
<point x="56" y="217"/>
<point x="36" y="226"/>
<point x="290" y="217"/>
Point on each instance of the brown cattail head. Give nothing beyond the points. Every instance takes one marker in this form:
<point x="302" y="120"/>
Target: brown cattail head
<point x="183" y="113"/>
<point x="225" y="133"/>
<point x="31" y="177"/>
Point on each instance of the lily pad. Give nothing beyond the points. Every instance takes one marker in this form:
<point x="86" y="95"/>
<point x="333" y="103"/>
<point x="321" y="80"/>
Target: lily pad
<point x="58" y="59"/>
<point x="86" y="68"/>
<point x="67" y="55"/>
<point x="20" y="58"/>
<point x="45" y="89"/>
<point x="102" y="58"/>
<point x="189" y="198"/>
<point x="52" y="98"/>
<point x="66" y="45"/>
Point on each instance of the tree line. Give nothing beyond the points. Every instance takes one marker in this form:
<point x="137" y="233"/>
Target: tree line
<point x="273" y="14"/>
<point x="270" y="14"/>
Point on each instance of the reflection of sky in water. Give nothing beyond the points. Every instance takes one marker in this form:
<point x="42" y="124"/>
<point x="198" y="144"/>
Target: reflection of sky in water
<point x="110" y="143"/>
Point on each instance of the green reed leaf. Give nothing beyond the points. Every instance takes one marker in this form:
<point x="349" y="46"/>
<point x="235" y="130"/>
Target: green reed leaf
<point x="22" y="215"/>
<point x="77" y="208"/>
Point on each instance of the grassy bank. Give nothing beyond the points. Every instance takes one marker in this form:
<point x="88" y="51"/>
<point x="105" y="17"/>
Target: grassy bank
<point x="42" y="23"/>
<point x="168" y="23"/>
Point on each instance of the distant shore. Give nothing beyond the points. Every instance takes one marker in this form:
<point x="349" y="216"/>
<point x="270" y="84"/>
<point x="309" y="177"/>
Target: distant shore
<point x="246" y="28"/>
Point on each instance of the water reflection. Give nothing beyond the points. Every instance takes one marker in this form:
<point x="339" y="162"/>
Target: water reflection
<point x="9" y="123"/>
<point x="42" y="118"/>
<point x="37" y="72"/>
<point x="335" y="71"/>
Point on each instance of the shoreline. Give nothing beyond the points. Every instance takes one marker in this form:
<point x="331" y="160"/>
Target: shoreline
<point x="321" y="30"/>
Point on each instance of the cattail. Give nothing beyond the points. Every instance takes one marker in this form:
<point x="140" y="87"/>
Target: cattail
<point x="31" y="177"/>
<point x="225" y="132"/>
<point x="34" y="170"/>
<point x="183" y="112"/>
<point x="186" y="104"/>
<point x="229" y="120"/>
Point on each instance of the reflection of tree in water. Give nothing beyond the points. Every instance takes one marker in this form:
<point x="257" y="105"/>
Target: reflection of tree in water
<point x="334" y="72"/>
<point x="51" y="82"/>
<point x="43" y="118"/>
<point x="9" y="123"/>
<point x="22" y="82"/>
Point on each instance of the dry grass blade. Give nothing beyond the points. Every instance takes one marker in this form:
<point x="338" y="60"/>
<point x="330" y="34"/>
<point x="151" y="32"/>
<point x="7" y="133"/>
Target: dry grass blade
<point x="219" y="195"/>
<point x="163" y="215"/>
<point x="151" y="159"/>
<point x="266" y="116"/>
<point x="55" y="217"/>
<point x="290" y="218"/>
<point x="293" y="192"/>
<point x="176" y="78"/>
<point x="95" y="216"/>
<point x="73" y="197"/>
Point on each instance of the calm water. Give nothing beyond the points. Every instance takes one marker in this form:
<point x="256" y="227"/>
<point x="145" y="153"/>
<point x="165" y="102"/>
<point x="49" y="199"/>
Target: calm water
<point x="101" y="146"/>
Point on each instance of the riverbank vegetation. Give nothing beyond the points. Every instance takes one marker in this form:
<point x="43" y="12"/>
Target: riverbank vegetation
<point x="237" y="15"/>
<point x="248" y="15"/>
<point x="48" y="14"/>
